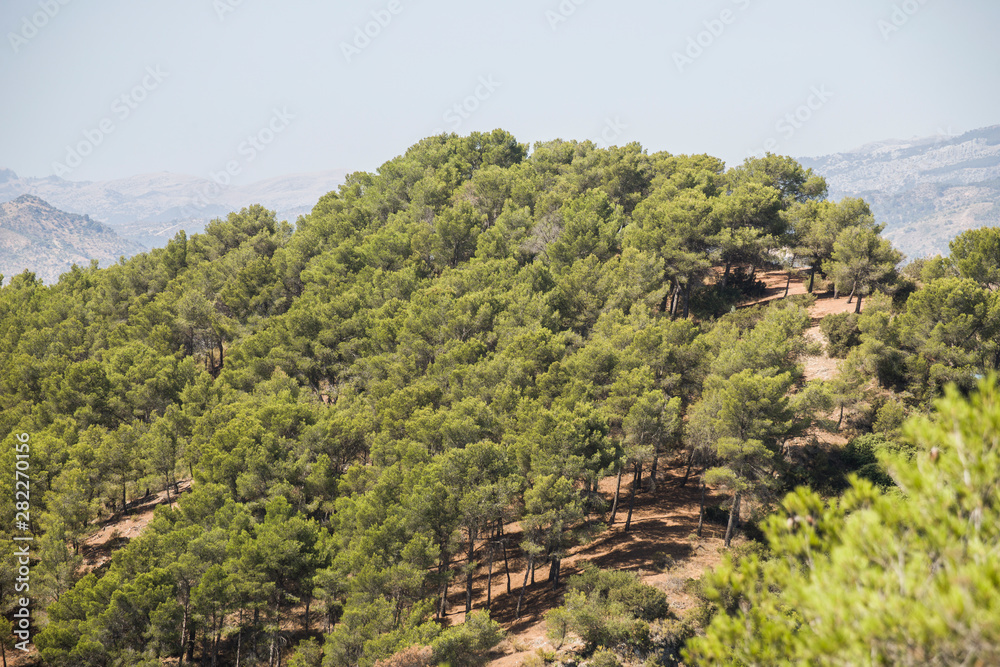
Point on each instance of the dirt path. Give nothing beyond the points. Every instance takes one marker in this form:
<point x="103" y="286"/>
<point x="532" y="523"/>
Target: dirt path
<point x="663" y="524"/>
<point x="120" y="529"/>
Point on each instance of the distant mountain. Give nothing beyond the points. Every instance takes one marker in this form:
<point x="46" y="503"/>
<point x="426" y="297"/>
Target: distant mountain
<point x="39" y="237"/>
<point x="927" y="190"/>
<point x="152" y="208"/>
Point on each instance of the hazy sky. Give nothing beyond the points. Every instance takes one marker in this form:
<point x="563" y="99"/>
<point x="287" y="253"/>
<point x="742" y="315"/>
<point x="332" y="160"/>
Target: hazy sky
<point x="119" y="87"/>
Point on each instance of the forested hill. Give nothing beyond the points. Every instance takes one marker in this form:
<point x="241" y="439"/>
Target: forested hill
<point x="443" y="358"/>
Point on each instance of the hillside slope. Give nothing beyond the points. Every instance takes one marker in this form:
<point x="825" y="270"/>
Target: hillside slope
<point x="47" y="241"/>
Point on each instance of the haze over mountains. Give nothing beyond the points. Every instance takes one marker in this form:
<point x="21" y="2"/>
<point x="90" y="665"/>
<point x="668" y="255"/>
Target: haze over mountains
<point x="39" y="237"/>
<point x="152" y="208"/>
<point x="926" y="190"/>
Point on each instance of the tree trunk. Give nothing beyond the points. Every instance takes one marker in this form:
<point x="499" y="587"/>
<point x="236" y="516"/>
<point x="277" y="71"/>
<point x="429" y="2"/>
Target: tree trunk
<point x="489" y="576"/>
<point x="733" y="512"/>
<point x="554" y="568"/>
<point x="687" y="473"/>
<point x="506" y="565"/>
<point x="184" y="630"/>
<point x="725" y="275"/>
<point x="239" y="640"/>
<point x="470" y="573"/>
<point x="631" y="498"/>
<point x="841" y="418"/>
<point x="216" y="631"/>
<point x="651" y="487"/>
<point x="854" y="288"/>
<point x="524" y="585"/>
<point x="857" y="308"/>
<point x="701" y="511"/>
<point x="675" y="298"/>
<point x="442" y="570"/>
<point x="812" y="277"/>
<point x="788" y="284"/>
<point x="124" y="506"/>
<point x="192" y="636"/>
<point x="687" y="298"/>
<point x="614" y="504"/>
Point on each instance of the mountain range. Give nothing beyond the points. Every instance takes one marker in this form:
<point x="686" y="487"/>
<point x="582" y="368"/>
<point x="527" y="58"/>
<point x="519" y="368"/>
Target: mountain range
<point x="152" y="208"/>
<point x="925" y="190"/>
<point x="48" y="241"/>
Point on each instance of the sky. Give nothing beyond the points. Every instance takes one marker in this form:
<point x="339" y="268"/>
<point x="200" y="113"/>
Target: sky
<point x="110" y="89"/>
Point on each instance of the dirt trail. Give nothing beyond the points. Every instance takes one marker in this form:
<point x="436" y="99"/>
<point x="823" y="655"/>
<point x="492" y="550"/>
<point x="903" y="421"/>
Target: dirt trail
<point x="663" y="523"/>
<point x="120" y="529"/>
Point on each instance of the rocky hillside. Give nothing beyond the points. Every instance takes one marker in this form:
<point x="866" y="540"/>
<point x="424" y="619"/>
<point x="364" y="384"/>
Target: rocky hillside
<point x="152" y="208"/>
<point x="47" y="241"/>
<point x="926" y="190"/>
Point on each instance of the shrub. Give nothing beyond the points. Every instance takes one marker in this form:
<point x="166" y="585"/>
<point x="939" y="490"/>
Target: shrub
<point x="604" y="659"/>
<point x="308" y="653"/>
<point x="608" y="608"/>
<point x="616" y="586"/>
<point x="842" y="333"/>
<point x="862" y="453"/>
<point x="414" y="656"/>
<point x="557" y="623"/>
<point x="467" y="644"/>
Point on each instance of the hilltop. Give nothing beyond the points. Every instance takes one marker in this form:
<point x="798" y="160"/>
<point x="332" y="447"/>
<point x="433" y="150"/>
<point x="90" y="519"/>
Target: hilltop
<point x="37" y="236"/>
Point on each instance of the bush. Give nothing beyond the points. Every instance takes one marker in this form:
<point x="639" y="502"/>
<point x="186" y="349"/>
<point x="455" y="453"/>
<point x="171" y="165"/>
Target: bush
<point x="889" y="418"/>
<point x="415" y="656"/>
<point x="308" y="653"/>
<point x="663" y="561"/>
<point x="467" y="644"/>
<point x="604" y="659"/>
<point x="557" y="623"/>
<point x="608" y="608"/>
<point x="746" y="284"/>
<point x="842" y="333"/>
<point x="713" y="301"/>
<point x="616" y="586"/>
<point x="862" y="453"/>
